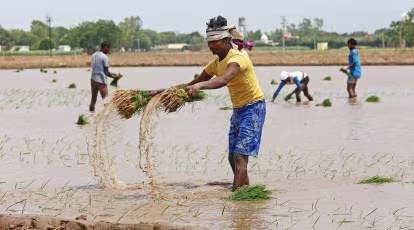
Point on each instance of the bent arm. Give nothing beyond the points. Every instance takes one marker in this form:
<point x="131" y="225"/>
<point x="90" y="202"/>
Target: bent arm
<point x="107" y="73"/>
<point x="219" y="81"/>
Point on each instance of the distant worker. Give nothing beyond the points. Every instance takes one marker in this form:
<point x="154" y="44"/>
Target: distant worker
<point x="100" y="72"/>
<point x="353" y="69"/>
<point x="300" y="79"/>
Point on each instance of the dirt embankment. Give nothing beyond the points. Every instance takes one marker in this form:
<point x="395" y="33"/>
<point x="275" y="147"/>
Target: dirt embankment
<point x="24" y="222"/>
<point x="302" y="58"/>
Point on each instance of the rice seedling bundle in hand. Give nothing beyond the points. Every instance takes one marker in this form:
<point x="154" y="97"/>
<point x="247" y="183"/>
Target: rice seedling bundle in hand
<point x="273" y="82"/>
<point x="174" y="99"/>
<point x="130" y="102"/>
<point x="114" y="82"/>
<point x="257" y="192"/>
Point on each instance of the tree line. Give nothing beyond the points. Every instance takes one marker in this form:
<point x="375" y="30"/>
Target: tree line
<point x="130" y="35"/>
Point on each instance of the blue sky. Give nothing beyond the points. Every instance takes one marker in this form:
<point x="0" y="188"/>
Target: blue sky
<point x="191" y="15"/>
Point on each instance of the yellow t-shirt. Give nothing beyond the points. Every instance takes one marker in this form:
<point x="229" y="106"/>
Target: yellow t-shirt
<point x="244" y="88"/>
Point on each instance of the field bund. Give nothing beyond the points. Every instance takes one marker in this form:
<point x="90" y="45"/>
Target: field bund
<point x="259" y="58"/>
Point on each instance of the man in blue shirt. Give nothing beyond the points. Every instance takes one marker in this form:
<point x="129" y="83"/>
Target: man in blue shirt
<point x="353" y="69"/>
<point x="300" y="79"/>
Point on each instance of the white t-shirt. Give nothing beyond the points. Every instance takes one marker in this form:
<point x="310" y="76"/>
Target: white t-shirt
<point x="299" y="74"/>
<point x="98" y="62"/>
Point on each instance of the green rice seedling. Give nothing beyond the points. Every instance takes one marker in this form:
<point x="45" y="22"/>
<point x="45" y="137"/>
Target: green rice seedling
<point x="54" y="80"/>
<point x="376" y="180"/>
<point x="114" y="82"/>
<point x="201" y="96"/>
<point x="327" y="78"/>
<point x="326" y="103"/>
<point x="82" y="120"/>
<point x="373" y="99"/>
<point x="43" y="70"/>
<point x="225" y="108"/>
<point x="54" y="71"/>
<point x="173" y="98"/>
<point x="273" y="82"/>
<point x="72" y="86"/>
<point x="130" y="102"/>
<point x="257" y="192"/>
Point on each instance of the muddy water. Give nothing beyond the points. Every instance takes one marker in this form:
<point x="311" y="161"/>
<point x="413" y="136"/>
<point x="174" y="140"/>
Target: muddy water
<point x="311" y="157"/>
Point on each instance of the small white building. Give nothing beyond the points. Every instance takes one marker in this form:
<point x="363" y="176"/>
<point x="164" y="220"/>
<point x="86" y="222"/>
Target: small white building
<point x="64" y="48"/>
<point x="176" y="46"/>
<point x="264" y="39"/>
<point x="20" y="49"/>
<point x="322" y="46"/>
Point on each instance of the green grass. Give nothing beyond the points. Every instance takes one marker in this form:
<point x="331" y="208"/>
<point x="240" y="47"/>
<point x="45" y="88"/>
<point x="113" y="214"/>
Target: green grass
<point x="373" y="99"/>
<point x="82" y="120"/>
<point x="72" y="86"/>
<point x="376" y="180"/>
<point x="326" y="103"/>
<point x="257" y="192"/>
<point x="327" y="78"/>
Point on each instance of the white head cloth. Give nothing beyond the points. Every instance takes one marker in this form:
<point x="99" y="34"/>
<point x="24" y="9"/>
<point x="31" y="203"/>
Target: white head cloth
<point x="215" y="34"/>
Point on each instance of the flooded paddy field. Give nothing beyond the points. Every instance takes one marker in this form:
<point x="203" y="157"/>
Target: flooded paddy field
<point x="311" y="157"/>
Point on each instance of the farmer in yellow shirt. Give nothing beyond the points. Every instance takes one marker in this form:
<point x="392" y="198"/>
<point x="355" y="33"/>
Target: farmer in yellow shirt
<point x="234" y="70"/>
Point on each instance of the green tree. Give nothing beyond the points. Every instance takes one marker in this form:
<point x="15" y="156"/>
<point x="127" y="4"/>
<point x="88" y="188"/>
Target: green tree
<point x="39" y="29"/>
<point x="129" y="31"/>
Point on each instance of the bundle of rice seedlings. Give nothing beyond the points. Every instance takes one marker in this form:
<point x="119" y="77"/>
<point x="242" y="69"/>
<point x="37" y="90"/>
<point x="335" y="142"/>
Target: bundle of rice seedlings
<point x="54" y="71"/>
<point x="257" y="192"/>
<point x="114" y="82"/>
<point x="82" y="120"/>
<point x="43" y="70"/>
<point x="54" y="80"/>
<point x="376" y="180"/>
<point x="273" y="82"/>
<point x="325" y="103"/>
<point x="373" y="99"/>
<point x="327" y="78"/>
<point x="72" y="86"/>
<point x="19" y="70"/>
<point x="174" y="98"/>
<point x="129" y="102"/>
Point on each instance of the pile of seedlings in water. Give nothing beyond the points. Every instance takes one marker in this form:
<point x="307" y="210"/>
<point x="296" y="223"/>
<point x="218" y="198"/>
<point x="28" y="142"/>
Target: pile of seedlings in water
<point x="327" y="78"/>
<point x="249" y="193"/>
<point x="130" y="102"/>
<point x="82" y="120"/>
<point x="72" y="86"/>
<point x="325" y="103"/>
<point x="376" y="180"/>
<point x="54" y="71"/>
<point x="54" y="80"/>
<point x="373" y="99"/>
<point x="19" y="70"/>
<point x="43" y="70"/>
<point x="273" y="82"/>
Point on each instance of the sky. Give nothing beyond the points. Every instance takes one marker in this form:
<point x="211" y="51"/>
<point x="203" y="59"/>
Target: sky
<point x="191" y="15"/>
